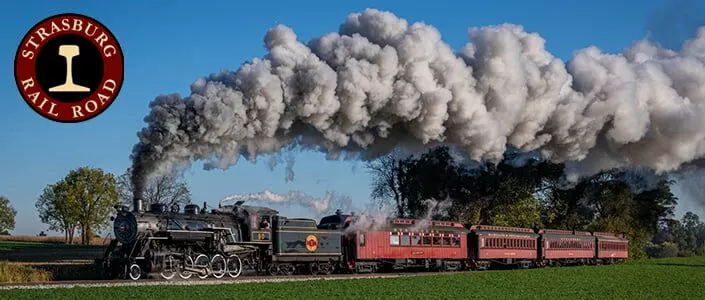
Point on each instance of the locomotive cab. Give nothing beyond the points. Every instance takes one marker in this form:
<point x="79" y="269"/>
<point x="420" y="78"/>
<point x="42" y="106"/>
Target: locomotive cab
<point x="256" y="222"/>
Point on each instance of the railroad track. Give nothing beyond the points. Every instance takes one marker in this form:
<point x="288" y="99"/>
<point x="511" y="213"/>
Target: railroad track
<point x="208" y="281"/>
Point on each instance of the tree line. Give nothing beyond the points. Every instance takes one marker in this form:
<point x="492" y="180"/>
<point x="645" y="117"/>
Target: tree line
<point x="674" y="237"/>
<point x="526" y="191"/>
<point x="83" y="200"/>
<point x="520" y="190"/>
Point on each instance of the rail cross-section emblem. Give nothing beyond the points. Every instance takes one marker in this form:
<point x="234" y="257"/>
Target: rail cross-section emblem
<point x="311" y="243"/>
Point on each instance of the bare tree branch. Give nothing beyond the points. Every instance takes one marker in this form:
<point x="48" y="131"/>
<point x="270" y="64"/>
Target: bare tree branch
<point x="169" y="189"/>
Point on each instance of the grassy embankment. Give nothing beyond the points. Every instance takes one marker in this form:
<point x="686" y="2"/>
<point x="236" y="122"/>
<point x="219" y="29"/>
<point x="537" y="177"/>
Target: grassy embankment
<point x="15" y="273"/>
<point x="675" y="278"/>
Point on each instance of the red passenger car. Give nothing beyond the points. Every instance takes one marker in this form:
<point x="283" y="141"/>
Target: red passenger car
<point x="405" y="244"/>
<point x="502" y="245"/>
<point x="566" y="247"/>
<point x="611" y="247"/>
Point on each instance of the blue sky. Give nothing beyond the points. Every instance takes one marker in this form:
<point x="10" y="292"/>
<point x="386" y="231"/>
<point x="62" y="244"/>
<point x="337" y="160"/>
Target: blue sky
<point x="167" y="47"/>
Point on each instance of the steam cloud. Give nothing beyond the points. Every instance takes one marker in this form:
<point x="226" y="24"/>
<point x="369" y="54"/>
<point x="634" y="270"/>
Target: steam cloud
<point x="318" y="205"/>
<point x="380" y="84"/>
<point x="373" y="218"/>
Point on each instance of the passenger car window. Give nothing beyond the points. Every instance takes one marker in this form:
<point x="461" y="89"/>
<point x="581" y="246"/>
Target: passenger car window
<point x="436" y="240"/>
<point x="415" y="240"/>
<point x="426" y="240"/>
<point x="405" y="240"/>
<point x="394" y="239"/>
<point x="362" y="240"/>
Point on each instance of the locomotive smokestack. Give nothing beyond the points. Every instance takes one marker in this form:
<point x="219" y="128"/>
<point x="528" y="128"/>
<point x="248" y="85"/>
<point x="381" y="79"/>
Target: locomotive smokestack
<point x="137" y="204"/>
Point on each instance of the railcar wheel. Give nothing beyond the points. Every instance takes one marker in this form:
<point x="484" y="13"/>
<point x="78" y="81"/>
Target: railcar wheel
<point x="188" y="261"/>
<point x="218" y="266"/>
<point x="327" y="269"/>
<point x="234" y="266"/>
<point x="286" y="269"/>
<point x="273" y="269"/>
<point x="169" y="269"/>
<point x="202" y="262"/>
<point x="135" y="272"/>
<point x="314" y="268"/>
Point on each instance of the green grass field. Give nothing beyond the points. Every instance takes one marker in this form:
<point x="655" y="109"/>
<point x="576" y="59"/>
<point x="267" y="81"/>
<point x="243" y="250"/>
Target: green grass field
<point x="676" y="278"/>
<point x="30" y="251"/>
<point x="21" y="245"/>
<point x="32" y="261"/>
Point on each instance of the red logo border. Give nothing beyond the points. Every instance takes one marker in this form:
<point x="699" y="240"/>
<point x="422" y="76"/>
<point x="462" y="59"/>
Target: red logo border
<point x="109" y="70"/>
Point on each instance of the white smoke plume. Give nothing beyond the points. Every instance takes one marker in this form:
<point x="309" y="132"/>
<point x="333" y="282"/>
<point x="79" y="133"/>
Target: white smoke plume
<point x="317" y="205"/>
<point x="380" y="83"/>
<point x="434" y="209"/>
<point x="372" y="218"/>
<point x="376" y="217"/>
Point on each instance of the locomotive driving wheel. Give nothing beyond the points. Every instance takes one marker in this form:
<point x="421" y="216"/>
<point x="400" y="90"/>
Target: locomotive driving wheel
<point x="188" y="261"/>
<point x="234" y="266"/>
<point x="218" y="266"/>
<point x="169" y="270"/>
<point x="203" y="263"/>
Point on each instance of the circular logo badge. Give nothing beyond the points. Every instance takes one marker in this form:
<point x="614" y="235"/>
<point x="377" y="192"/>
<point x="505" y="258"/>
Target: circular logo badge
<point x="311" y="243"/>
<point x="69" y="68"/>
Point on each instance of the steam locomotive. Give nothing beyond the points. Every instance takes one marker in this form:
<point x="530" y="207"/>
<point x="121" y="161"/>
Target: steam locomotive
<point x="240" y="238"/>
<point x="223" y="241"/>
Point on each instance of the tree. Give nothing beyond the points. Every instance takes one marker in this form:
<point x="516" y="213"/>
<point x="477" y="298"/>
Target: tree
<point x="691" y="233"/>
<point x="607" y="202"/>
<point x="95" y="193"/>
<point x="523" y="213"/>
<point x="688" y="234"/>
<point x="385" y="183"/>
<point x="434" y="175"/>
<point x="57" y="210"/>
<point x="7" y="215"/>
<point x="690" y="220"/>
<point x="83" y="199"/>
<point x="168" y="189"/>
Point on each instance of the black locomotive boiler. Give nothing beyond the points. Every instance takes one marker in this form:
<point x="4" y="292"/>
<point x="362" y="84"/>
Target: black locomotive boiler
<point x="230" y="240"/>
